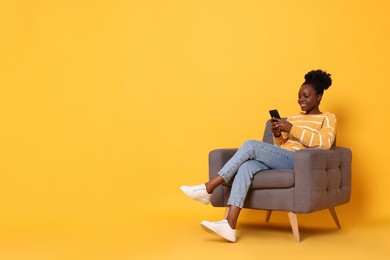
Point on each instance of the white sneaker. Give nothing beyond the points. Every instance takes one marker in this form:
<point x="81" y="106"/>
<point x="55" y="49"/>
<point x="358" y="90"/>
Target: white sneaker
<point x="221" y="229"/>
<point x="197" y="192"/>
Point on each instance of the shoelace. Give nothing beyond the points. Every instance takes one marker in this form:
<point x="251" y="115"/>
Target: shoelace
<point x="198" y="187"/>
<point x="221" y="222"/>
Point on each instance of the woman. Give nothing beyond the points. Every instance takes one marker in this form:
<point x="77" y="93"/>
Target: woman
<point x="310" y="129"/>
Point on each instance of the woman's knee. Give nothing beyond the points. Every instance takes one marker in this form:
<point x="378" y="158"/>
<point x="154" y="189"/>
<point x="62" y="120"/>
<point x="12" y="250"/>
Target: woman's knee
<point x="251" y="143"/>
<point x="250" y="167"/>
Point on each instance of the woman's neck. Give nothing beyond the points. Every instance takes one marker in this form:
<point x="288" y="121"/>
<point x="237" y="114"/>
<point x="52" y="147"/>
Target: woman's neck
<point x="314" y="111"/>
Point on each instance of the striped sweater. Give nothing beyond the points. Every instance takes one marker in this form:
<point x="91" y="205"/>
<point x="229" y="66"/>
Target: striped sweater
<point x="309" y="131"/>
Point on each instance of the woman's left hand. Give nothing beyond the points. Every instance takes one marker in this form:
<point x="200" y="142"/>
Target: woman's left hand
<point x="282" y="125"/>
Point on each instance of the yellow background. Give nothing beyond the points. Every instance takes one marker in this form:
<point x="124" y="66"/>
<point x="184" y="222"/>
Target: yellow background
<point x="107" y="107"/>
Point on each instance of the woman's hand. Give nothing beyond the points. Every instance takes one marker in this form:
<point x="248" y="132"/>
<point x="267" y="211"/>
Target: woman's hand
<point x="275" y="129"/>
<point x="279" y="125"/>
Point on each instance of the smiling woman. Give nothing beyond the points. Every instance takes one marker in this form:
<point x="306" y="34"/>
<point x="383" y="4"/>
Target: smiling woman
<point x="312" y="129"/>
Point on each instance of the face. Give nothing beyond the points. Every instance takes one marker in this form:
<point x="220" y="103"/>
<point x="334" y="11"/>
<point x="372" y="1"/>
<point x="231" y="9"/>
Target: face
<point x="308" y="99"/>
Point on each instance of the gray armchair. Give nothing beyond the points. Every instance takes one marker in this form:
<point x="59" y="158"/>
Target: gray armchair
<point x="320" y="180"/>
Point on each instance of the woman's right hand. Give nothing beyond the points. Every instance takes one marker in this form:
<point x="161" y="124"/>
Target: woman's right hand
<point x="275" y="129"/>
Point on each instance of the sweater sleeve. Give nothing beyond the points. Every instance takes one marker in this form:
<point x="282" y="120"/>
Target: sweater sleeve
<point x="278" y="141"/>
<point x="322" y="138"/>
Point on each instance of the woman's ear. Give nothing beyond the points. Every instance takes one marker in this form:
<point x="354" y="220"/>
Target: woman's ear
<point x="319" y="97"/>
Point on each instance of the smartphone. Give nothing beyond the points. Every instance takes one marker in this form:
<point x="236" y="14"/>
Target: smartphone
<point x="274" y="113"/>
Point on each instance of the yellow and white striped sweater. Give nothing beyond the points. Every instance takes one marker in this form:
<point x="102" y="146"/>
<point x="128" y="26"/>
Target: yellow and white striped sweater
<point x="309" y="131"/>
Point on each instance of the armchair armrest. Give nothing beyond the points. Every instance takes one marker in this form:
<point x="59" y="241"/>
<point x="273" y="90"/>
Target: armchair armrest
<point x="217" y="159"/>
<point x="322" y="178"/>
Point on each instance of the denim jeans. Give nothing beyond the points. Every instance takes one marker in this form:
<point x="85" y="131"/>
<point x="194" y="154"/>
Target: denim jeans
<point x="252" y="157"/>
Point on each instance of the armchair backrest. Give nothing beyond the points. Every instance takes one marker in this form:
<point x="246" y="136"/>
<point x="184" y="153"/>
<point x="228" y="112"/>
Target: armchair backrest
<point x="267" y="136"/>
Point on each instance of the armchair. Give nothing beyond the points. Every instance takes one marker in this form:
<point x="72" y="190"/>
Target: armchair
<point x="321" y="179"/>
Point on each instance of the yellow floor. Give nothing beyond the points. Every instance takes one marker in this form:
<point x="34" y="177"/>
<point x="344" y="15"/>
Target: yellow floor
<point x="169" y="231"/>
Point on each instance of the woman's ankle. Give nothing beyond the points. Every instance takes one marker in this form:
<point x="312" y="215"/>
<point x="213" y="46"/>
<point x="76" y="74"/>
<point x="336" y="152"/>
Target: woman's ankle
<point x="208" y="188"/>
<point x="231" y="224"/>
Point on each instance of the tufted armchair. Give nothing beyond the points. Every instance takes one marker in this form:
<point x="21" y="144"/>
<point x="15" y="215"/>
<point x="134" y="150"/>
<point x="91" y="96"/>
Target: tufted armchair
<point x="321" y="179"/>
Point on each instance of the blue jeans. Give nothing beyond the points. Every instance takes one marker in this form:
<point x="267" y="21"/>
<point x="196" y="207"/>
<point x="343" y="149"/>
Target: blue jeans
<point x="252" y="157"/>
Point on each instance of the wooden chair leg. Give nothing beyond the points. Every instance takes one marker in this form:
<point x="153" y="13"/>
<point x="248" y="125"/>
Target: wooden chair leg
<point x="335" y="218"/>
<point x="226" y="212"/>
<point x="268" y="215"/>
<point x="294" y="225"/>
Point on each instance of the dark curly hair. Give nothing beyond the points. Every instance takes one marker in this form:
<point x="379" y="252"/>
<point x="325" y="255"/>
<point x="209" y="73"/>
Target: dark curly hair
<point x="319" y="79"/>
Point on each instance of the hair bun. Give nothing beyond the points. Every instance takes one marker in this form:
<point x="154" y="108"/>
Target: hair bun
<point x="321" y="80"/>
